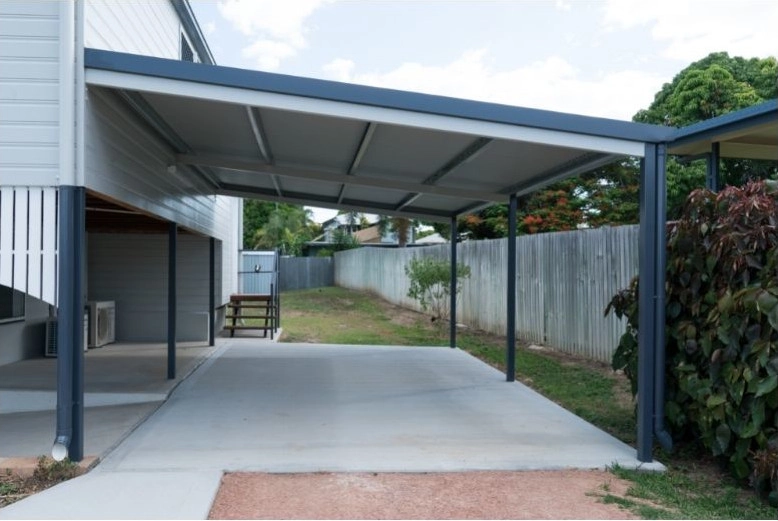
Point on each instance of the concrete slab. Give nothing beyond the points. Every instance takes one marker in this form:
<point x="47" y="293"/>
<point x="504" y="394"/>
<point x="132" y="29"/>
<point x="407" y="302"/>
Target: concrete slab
<point x="310" y="408"/>
<point x="123" y="495"/>
<point x="31" y="434"/>
<point x="307" y="408"/>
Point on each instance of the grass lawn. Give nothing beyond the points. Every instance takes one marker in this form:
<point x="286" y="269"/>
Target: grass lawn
<point x="692" y="488"/>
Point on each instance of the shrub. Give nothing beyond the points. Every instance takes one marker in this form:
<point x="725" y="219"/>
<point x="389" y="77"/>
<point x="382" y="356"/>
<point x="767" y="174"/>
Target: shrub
<point x="722" y="327"/>
<point x="431" y="284"/>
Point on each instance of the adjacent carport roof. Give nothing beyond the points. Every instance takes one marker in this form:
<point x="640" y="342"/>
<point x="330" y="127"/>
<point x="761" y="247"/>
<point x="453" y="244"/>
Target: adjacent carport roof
<point x="309" y="141"/>
<point x="750" y="133"/>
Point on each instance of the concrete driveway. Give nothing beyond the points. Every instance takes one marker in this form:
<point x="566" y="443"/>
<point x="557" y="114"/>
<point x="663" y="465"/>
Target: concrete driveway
<point x="308" y="408"/>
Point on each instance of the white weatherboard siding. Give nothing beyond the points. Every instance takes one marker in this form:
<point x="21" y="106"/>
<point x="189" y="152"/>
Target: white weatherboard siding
<point x="149" y="27"/>
<point x="29" y="93"/>
<point x="131" y="269"/>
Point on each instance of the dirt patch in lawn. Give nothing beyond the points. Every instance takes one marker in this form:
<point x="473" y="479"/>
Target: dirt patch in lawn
<point x="568" y="494"/>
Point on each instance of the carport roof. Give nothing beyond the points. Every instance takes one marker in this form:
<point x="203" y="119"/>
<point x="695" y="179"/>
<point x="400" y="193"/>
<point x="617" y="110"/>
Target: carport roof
<point x="308" y="141"/>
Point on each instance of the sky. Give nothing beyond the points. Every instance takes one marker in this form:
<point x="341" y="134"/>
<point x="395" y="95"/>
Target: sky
<point x="604" y="58"/>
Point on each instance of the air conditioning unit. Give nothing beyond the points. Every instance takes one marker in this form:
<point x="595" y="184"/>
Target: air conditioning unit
<point x="51" y="335"/>
<point x="102" y="323"/>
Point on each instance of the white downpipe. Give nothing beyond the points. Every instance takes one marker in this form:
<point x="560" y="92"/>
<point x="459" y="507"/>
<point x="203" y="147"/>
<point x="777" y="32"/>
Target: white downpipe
<point x="67" y="124"/>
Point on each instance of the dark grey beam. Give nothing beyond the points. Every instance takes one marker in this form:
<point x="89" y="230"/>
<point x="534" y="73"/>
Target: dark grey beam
<point x="211" y="291"/>
<point x="364" y="143"/>
<point x="578" y="165"/>
<point x="475" y="207"/>
<point x="712" y="170"/>
<point x="510" y="356"/>
<point x="171" y="300"/>
<point x="453" y="287"/>
<point x="69" y="440"/>
<point x="260" y="137"/>
<point x="466" y="154"/>
<point x="409" y="199"/>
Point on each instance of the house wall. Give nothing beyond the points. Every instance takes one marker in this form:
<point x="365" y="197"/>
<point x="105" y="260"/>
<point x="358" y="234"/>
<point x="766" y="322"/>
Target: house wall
<point x="29" y="93"/>
<point x="132" y="270"/>
<point x="146" y="27"/>
<point x="24" y="338"/>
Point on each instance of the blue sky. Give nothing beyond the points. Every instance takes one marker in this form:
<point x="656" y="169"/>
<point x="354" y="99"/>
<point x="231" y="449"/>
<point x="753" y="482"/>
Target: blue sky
<point x="602" y="58"/>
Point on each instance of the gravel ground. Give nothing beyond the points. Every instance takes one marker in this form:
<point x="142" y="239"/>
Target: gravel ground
<point x="568" y="494"/>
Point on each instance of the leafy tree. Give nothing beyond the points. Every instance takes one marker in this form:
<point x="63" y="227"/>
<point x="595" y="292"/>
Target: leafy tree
<point x="402" y="226"/>
<point x="288" y="228"/>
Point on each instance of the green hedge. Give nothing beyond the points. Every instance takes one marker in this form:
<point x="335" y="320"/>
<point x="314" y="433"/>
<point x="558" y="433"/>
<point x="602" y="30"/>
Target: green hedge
<point x="722" y="328"/>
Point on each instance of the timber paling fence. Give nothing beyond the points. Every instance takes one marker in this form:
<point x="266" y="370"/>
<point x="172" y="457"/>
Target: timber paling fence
<point x="305" y="272"/>
<point x="564" y="281"/>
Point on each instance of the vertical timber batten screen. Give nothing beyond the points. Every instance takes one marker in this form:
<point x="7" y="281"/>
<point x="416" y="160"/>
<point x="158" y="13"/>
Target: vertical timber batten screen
<point x="28" y="241"/>
<point x="564" y="281"/>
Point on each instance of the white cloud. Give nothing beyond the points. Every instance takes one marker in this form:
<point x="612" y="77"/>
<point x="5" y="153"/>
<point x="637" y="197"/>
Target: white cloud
<point x="267" y="54"/>
<point x="276" y="26"/>
<point x="339" y="69"/>
<point x="692" y="29"/>
<point x="210" y="28"/>
<point x="551" y="84"/>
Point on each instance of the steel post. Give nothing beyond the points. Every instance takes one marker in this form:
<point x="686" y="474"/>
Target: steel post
<point x="510" y="362"/>
<point x="453" y="287"/>
<point x="171" y="300"/>
<point x="211" y="291"/>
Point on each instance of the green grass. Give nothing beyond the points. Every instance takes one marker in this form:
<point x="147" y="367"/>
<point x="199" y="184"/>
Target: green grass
<point x="692" y="488"/>
<point x="679" y="494"/>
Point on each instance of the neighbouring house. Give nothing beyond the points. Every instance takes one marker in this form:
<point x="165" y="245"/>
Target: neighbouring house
<point x="365" y="229"/>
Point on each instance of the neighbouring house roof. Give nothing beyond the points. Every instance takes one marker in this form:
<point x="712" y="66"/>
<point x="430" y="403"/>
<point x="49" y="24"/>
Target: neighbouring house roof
<point x="434" y="238"/>
<point x="368" y="235"/>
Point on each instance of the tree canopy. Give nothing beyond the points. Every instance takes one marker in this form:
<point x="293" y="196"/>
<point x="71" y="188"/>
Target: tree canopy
<point x="269" y="226"/>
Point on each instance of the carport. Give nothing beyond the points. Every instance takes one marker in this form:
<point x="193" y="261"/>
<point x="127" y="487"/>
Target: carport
<point x="305" y="141"/>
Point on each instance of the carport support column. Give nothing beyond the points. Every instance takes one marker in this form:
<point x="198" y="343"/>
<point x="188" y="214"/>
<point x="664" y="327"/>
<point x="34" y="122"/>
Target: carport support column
<point x="171" y="300"/>
<point x="212" y="292"/>
<point x="712" y="170"/>
<point x="510" y="362"/>
<point x="70" y="325"/>
<point x="651" y="333"/>
<point x="453" y="310"/>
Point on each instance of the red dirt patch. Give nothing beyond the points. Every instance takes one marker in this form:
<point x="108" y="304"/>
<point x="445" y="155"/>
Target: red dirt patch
<point x="570" y="494"/>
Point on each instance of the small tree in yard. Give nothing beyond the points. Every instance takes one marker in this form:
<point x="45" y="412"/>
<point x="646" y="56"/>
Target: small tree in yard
<point x="431" y="284"/>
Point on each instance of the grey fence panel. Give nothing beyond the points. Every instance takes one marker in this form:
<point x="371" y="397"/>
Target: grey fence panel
<point x="305" y="272"/>
<point x="564" y="282"/>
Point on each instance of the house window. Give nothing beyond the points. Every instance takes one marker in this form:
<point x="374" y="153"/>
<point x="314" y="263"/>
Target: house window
<point x="11" y="304"/>
<point x="186" y="50"/>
